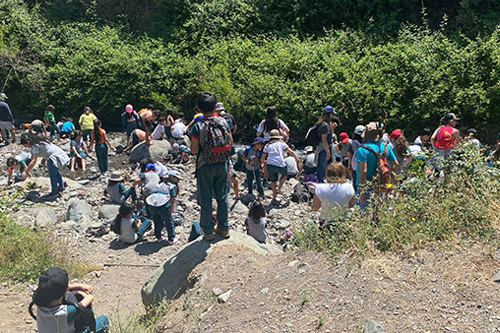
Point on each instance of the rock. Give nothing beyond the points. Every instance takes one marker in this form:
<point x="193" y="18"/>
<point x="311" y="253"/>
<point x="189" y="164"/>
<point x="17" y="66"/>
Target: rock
<point x="45" y="217"/>
<point x="264" y="291"/>
<point x="239" y="208"/>
<point x="284" y="224"/>
<point x="496" y="277"/>
<point x="69" y="225"/>
<point x="170" y="280"/>
<point x="158" y="151"/>
<point x="108" y="211"/>
<point x="93" y="169"/>
<point x="73" y="194"/>
<point x="372" y="327"/>
<point x="247" y="199"/>
<point x="83" y="181"/>
<point x="224" y="297"/>
<point x="44" y="183"/>
<point x="80" y="212"/>
<point x="217" y="291"/>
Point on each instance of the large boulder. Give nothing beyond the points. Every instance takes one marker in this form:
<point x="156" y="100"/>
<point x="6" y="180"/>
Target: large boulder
<point x="43" y="183"/>
<point x="158" y="151"/>
<point x="80" y="212"/>
<point x="108" y="211"/>
<point x="170" y="280"/>
<point x="45" y="217"/>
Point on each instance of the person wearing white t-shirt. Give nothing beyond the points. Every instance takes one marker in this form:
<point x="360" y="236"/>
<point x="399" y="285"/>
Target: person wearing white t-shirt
<point x="335" y="197"/>
<point x="272" y="122"/>
<point x="178" y="131"/>
<point x="275" y="162"/>
<point x="159" y="130"/>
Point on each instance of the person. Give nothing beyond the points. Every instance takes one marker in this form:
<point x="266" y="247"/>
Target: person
<point x="423" y="138"/>
<point x="403" y="156"/>
<point x="221" y="110"/>
<point x="117" y="191"/>
<point x="148" y="179"/>
<point x="60" y="123"/>
<point x="367" y="161"/>
<point x="251" y="157"/>
<point x="130" y="120"/>
<point x="158" y="206"/>
<point x="395" y="134"/>
<point x="446" y="136"/>
<point x="129" y="227"/>
<point x="148" y="116"/>
<point x="52" y="315"/>
<point x="272" y="122"/>
<point x="78" y="150"/>
<point x="172" y="179"/>
<point x="334" y="151"/>
<point x="50" y="122"/>
<point x="275" y="162"/>
<point x="38" y="127"/>
<point x="255" y="222"/>
<point x="334" y="197"/>
<point x="323" y="151"/>
<point x="55" y="156"/>
<point x="6" y="119"/>
<point x="178" y="131"/>
<point x="169" y="123"/>
<point x="98" y="136"/>
<point x="67" y="128"/>
<point x="86" y="123"/>
<point x="345" y="142"/>
<point x="353" y="148"/>
<point x="233" y="180"/>
<point x="293" y="168"/>
<point x="472" y="137"/>
<point x="160" y="169"/>
<point x="309" y="165"/>
<point x="211" y="165"/>
<point x="22" y="160"/>
<point x="138" y="136"/>
<point x="160" y="129"/>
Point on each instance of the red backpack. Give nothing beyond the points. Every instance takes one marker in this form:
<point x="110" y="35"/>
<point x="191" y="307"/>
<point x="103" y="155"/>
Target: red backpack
<point x="445" y="139"/>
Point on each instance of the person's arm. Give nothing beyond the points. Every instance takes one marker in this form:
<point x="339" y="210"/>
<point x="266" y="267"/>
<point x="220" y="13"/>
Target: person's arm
<point x="87" y="298"/>
<point x="107" y="141"/>
<point x="316" y="204"/>
<point x="195" y="145"/>
<point x="73" y="149"/>
<point x="434" y="136"/>
<point x="349" y="156"/>
<point x="457" y="136"/>
<point x="92" y="138"/>
<point x="80" y="121"/>
<point x="235" y="128"/>
<point x="325" y="145"/>
<point x="260" y="129"/>
<point x="137" y="181"/>
<point x="82" y="287"/>
<point x="27" y="170"/>
<point x="263" y="158"/>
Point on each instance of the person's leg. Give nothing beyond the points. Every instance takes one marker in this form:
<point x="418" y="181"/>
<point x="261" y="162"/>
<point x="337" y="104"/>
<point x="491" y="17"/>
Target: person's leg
<point x="145" y="225"/>
<point x="195" y="231"/>
<point x="283" y="177"/>
<point x="53" y="172"/>
<point x="205" y="193"/>
<point x="84" y="163"/>
<point x="155" y="215"/>
<point x="320" y="170"/>
<point x="102" y="156"/>
<point x="169" y="223"/>
<point x="130" y="193"/>
<point x="220" y="187"/>
<point x="260" y="188"/>
<point x="250" y="181"/>
<point x="236" y="185"/>
<point x="4" y="135"/>
<point x="72" y="168"/>
<point x="101" y="324"/>
<point x="274" y="189"/>
<point x="13" y="133"/>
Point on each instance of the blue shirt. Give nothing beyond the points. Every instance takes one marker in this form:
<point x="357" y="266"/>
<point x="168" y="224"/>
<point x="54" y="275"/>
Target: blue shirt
<point x="364" y="155"/>
<point x="67" y="127"/>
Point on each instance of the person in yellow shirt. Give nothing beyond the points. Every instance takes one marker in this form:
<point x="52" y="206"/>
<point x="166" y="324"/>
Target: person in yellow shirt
<point x="86" y="122"/>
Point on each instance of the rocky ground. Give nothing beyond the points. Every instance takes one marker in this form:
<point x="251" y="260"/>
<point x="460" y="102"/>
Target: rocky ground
<point x="423" y="291"/>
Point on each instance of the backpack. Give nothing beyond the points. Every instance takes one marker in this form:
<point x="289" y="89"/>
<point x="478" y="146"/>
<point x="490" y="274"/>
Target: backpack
<point x="445" y="138"/>
<point x="384" y="173"/>
<point x="215" y="140"/>
<point x="312" y="136"/>
<point x="85" y="316"/>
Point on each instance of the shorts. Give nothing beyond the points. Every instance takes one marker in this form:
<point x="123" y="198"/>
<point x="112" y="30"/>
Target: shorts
<point x="86" y="134"/>
<point x="6" y="125"/>
<point x="81" y="155"/>
<point x="288" y="177"/>
<point x="275" y="172"/>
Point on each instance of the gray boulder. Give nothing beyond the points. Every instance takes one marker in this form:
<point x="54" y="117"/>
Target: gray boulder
<point x="170" y="280"/>
<point x="45" y="217"/>
<point x="158" y="151"/>
<point x="80" y="212"/>
<point x="108" y="211"/>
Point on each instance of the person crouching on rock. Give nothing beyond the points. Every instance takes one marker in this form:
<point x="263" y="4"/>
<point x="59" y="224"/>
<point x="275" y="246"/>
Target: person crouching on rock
<point x="128" y="226"/>
<point x="55" y="156"/>
<point x="138" y="136"/>
<point x="21" y="160"/>
<point x="158" y="208"/>
<point x="116" y="190"/>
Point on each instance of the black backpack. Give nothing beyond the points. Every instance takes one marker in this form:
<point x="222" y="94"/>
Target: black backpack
<point x="312" y="136"/>
<point x="85" y="316"/>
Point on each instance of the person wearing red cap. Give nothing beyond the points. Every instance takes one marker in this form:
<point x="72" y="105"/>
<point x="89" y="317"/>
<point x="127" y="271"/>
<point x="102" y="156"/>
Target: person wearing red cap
<point x="344" y="150"/>
<point x="130" y="121"/>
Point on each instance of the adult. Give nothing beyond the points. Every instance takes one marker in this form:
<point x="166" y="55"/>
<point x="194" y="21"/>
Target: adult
<point x="423" y="138"/>
<point x="367" y="161"/>
<point x="446" y="136"/>
<point x="334" y="197"/>
<point x="6" y="119"/>
<point x="272" y="122"/>
<point x="55" y="156"/>
<point x="98" y="136"/>
<point x="323" y="149"/>
<point x="148" y="116"/>
<point x="353" y="148"/>
<point x="86" y="123"/>
<point x="130" y="120"/>
<point x="169" y="123"/>
<point x="178" y="131"/>
<point x="334" y="144"/>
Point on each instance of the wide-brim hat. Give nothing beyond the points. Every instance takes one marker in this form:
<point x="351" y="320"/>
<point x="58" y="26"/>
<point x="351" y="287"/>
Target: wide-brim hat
<point x="52" y="285"/>
<point x="371" y="132"/>
<point x="275" y="134"/>
<point x="116" y="177"/>
<point x="219" y="107"/>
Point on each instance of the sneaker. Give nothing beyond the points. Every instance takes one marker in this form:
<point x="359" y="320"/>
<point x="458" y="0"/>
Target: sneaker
<point x="209" y="236"/>
<point x="222" y="233"/>
<point x="172" y="241"/>
<point x="159" y="240"/>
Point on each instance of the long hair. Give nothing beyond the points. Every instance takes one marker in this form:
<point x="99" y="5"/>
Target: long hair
<point x="124" y="210"/>
<point x="33" y="139"/>
<point x="257" y="211"/>
<point x="335" y="173"/>
<point x="401" y="146"/>
<point x="97" y="132"/>
<point x="271" y="121"/>
<point x="325" y="117"/>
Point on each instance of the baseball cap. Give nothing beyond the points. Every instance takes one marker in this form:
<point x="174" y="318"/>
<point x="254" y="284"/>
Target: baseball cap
<point x="472" y="131"/>
<point x="371" y="132"/>
<point x="336" y="120"/>
<point x="174" y="173"/>
<point x="344" y="138"/>
<point x="329" y="109"/>
<point x="258" y="140"/>
<point x="151" y="166"/>
<point x="52" y="284"/>
<point x="219" y="107"/>
<point x="396" y="134"/>
<point x="129" y="108"/>
<point x="359" y="129"/>
<point x="3" y="97"/>
<point x="451" y="116"/>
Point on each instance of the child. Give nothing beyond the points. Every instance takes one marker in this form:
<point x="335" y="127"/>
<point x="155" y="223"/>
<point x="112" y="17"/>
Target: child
<point x="172" y="179"/>
<point x="160" y="169"/>
<point x="160" y="129"/>
<point x="116" y="190"/>
<point x="78" y="150"/>
<point x="128" y="226"/>
<point x="275" y="163"/>
<point x="310" y="165"/>
<point x="22" y="160"/>
<point x="158" y="206"/>
<point x="345" y="142"/>
<point x="138" y="136"/>
<point x="86" y="123"/>
<point x="251" y="157"/>
<point x="256" y="222"/>
<point x="52" y="315"/>
<point x="37" y="127"/>
<point x="67" y="128"/>
<point x="149" y="180"/>
<point x="50" y="121"/>
<point x="233" y="180"/>
<point x="293" y="169"/>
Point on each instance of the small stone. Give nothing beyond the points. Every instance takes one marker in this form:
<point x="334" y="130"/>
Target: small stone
<point x="292" y="263"/>
<point x="217" y="291"/>
<point x="84" y="181"/>
<point x="224" y="297"/>
<point x="73" y="194"/>
<point x="265" y="291"/>
<point x="93" y="169"/>
<point x="284" y="224"/>
<point x="496" y="277"/>
<point x="372" y="327"/>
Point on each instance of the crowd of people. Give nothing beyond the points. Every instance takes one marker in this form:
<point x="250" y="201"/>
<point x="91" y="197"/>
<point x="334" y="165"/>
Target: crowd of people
<point x="334" y="173"/>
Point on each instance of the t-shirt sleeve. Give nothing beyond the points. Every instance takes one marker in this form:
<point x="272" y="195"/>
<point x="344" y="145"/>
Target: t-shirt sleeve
<point x="261" y="127"/>
<point x="72" y="312"/>
<point x="142" y="175"/>
<point x="390" y="154"/>
<point x="173" y="190"/>
<point x="35" y="150"/>
<point x="322" y="129"/>
<point x="361" y="155"/>
<point x="195" y="131"/>
<point x="266" y="149"/>
<point x="350" y="149"/>
<point x="284" y="146"/>
<point x="72" y="143"/>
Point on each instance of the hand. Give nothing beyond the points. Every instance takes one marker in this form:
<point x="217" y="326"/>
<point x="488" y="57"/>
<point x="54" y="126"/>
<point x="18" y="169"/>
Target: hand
<point x="328" y="155"/>
<point x="362" y="198"/>
<point x="24" y="174"/>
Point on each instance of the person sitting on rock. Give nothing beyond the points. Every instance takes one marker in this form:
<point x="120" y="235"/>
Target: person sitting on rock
<point x="310" y="165"/>
<point x="21" y="160"/>
<point x="255" y="222"/>
<point x="128" y="226"/>
<point x="116" y="190"/>
<point x="78" y="150"/>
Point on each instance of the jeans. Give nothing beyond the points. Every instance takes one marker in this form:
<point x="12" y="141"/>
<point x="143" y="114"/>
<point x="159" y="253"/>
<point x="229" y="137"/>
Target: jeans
<point x="55" y="177"/>
<point x="101" y="151"/>
<point x="162" y="216"/>
<point x="212" y="182"/>
<point x="320" y="170"/>
<point x="145" y="225"/>
<point x="250" y="177"/>
<point x="195" y="231"/>
<point x="101" y="325"/>
<point x="368" y="200"/>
